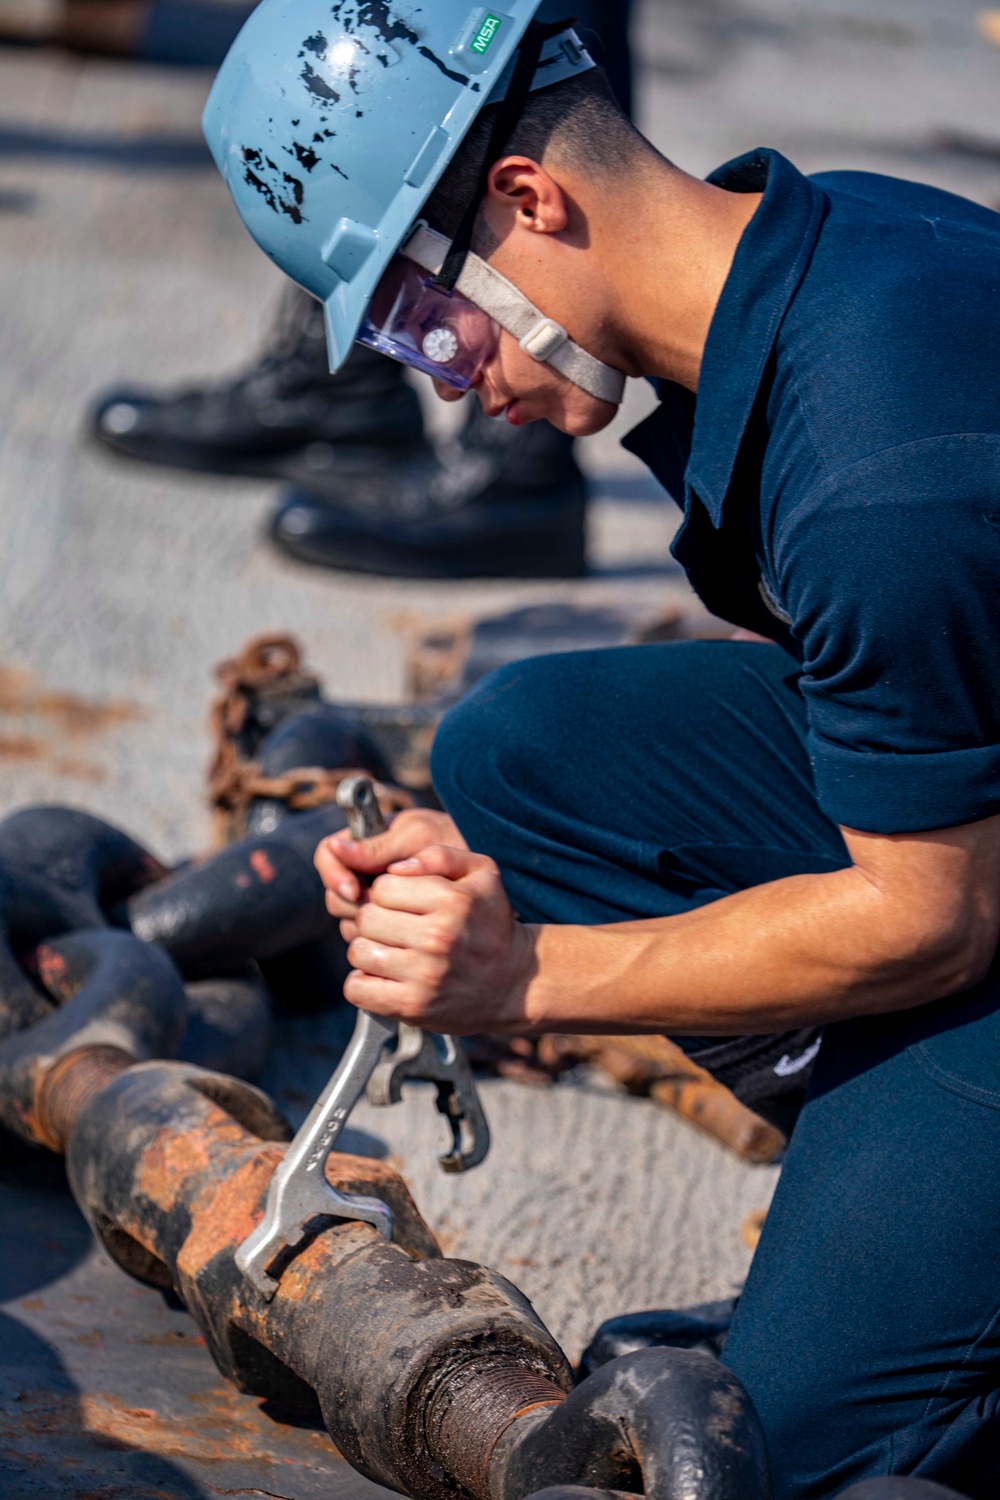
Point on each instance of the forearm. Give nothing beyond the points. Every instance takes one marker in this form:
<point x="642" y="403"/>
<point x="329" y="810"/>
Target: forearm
<point x="803" y="951"/>
<point x="913" y="918"/>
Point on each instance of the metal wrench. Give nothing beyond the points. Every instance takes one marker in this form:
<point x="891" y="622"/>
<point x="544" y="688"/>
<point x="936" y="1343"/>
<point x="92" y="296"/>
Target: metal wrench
<point x="437" y="1059"/>
<point x="299" y="1193"/>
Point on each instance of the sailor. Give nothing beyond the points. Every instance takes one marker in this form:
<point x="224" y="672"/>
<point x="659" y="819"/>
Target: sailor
<point x="769" y="847"/>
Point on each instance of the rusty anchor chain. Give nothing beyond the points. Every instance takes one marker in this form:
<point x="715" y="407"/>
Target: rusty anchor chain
<point x="60" y="870"/>
<point x="122" y="1000"/>
<point x="262" y="686"/>
<point x="66" y="878"/>
<point x="433" y="1376"/>
<point x="256" y="899"/>
<point x="171" y="1166"/>
<point x="655" y="1066"/>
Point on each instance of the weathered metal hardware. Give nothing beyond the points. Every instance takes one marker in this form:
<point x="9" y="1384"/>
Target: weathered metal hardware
<point x="323" y="738"/>
<point x="59" y="870"/>
<point x="277" y="747"/>
<point x="254" y="900"/>
<point x="228" y="1024"/>
<point x="171" y="1164"/>
<point x="657" y="1066"/>
<point x="430" y="1058"/>
<point x="122" y="1001"/>
<point x="433" y="1376"/>
<point x="666" y="1422"/>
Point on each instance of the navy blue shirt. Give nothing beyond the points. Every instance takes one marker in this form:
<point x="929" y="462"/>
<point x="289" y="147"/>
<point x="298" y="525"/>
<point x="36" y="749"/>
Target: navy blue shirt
<point x="840" y="478"/>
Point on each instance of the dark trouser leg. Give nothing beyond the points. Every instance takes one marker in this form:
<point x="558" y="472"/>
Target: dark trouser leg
<point x="636" y="782"/>
<point x="868" y="1335"/>
<point x="647" y="781"/>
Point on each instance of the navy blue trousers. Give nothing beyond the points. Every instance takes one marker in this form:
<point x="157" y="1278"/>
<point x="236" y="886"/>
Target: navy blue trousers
<point x="649" y="780"/>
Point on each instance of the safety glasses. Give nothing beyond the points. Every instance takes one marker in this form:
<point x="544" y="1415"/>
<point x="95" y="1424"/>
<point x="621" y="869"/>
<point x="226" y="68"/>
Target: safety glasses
<point x="420" y="324"/>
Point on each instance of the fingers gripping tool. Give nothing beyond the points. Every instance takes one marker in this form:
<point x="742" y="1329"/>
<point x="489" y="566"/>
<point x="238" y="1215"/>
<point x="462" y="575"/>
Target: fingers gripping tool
<point x="299" y="1194"/>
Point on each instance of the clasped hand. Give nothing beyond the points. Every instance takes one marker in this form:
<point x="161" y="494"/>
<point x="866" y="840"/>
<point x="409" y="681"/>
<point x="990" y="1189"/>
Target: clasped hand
<point x="433" y="939"/>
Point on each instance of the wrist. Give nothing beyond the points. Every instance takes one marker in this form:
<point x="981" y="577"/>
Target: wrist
<point x="572" y="984"/>
<point x="522" y="976"/>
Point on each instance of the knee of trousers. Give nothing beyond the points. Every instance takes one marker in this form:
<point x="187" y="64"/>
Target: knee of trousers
<point x="484" y="745"/>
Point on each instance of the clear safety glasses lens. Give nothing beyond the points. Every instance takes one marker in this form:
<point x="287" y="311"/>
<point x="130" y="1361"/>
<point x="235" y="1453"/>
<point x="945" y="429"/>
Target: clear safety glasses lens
<point x="442" y="333"/>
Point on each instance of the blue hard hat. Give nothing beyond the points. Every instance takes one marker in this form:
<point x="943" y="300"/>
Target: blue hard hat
<point x="332" y="121"/>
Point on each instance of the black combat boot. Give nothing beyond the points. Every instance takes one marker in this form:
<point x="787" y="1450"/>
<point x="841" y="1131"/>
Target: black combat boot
<point x="286" y="418"/>
<point x="497" y="502"/>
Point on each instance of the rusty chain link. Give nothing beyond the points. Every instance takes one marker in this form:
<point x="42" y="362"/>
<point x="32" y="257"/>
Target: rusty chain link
<point x="269" y="669"/>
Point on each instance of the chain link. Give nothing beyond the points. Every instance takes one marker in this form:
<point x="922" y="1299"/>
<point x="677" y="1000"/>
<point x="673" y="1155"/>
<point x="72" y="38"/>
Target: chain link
<point x="269" y="667"/>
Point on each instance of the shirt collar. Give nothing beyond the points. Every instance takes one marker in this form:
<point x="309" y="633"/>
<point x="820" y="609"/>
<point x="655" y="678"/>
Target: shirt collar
<point x="770" y="261"/>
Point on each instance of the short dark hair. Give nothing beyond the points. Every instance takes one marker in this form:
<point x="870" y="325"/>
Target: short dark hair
<point x="579" y="118"/>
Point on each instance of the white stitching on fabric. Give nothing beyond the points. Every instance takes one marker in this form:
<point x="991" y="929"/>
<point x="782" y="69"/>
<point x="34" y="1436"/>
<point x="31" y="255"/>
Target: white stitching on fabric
<point x="988" y="1098"/>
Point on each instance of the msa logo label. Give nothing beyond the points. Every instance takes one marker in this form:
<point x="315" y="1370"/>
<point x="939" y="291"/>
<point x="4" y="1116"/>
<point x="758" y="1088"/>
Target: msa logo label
<point x="484" y="37"/>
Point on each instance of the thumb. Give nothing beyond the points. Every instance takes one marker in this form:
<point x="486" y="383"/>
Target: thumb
<point x="369" y="856"/>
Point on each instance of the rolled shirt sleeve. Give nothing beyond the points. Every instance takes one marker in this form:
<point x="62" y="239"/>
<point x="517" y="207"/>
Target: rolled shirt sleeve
<point x="890" y="574"/>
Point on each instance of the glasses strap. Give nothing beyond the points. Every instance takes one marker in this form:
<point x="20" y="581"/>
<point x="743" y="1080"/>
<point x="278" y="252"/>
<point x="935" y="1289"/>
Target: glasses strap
<point x="542" y="338"/>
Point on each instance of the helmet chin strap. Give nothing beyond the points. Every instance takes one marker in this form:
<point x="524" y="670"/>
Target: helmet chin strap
<point x="540" y="337"/>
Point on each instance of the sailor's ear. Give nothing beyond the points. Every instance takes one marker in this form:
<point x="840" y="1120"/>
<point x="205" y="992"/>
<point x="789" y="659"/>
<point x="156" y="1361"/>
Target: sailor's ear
<point x="525" y="193"/>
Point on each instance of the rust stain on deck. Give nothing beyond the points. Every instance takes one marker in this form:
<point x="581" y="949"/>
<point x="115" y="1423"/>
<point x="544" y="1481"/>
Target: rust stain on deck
<point x="72" y="713"/>
<point x="21" y="747"/>
<point x="218" y="1428"/>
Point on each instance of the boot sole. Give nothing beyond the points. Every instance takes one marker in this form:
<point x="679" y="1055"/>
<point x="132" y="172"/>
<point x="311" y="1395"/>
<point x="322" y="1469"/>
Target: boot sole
<point x="290" y="466"/>
<point x="552" y="546"/>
